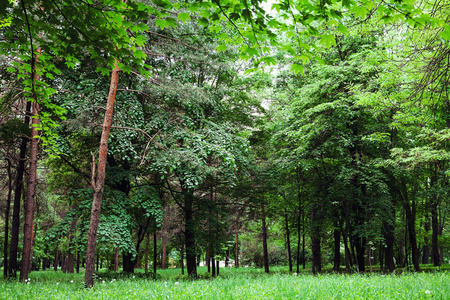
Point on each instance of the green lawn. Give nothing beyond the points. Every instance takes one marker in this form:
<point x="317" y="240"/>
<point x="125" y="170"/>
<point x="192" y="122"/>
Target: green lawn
<point x="233" y="284"/>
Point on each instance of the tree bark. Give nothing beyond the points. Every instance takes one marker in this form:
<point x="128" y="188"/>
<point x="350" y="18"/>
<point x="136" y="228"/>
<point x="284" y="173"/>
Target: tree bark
<point x="164" y="242"/>
<point x="98" y="181"/>
<point x="189" y="234"/>
<point x="337" y="249"/>
<point x="116" y="260"/>
<point x="288" y="239"/>
<point x="315" y="245"/>
<point x="155" y="251"/>
<point x="236" y="243"/>
<point x="31" y="191"/>
<point x="7" y="210"/>
<point x="264" y="240"/>
<point x="13" y="246"/>
<point x="389" y="248"/>
<point x="426" y="248"/>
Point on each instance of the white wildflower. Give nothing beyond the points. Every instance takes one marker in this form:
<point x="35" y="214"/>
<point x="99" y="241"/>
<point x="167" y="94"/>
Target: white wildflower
<point x="427" y="292"/>
<point x="71" y="281"/>
<point x="103" y="281"/>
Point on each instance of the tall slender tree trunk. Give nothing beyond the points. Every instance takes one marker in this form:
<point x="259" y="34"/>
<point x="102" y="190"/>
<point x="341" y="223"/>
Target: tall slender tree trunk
<point x="189" y="234"/>
<point x="434" y="222"/>
<point x="236" y="243"/>
<point x="164" y="242"/>
<point x="348" y="257"/>
<point x="213" y="265"/>
<point x="7" y="210"/>
<point x="315" y="245"/>
<point x="116" y="260"/>
<point x="288" y="239"/>
<point x="389" y="248"/>
<point x="155" y="250"/>
<point x="182" y="258"/>
<point x="411" y="218"/>
<point x="98" y="180"/>
<point x="264" y="240"/>
<point x="15" y="229"/>
<point x="72" y="247"/>
<point x="55" y="266"/>
<point x="31" y="191"/>
<point x="337" y="248"/>
<point x="426" y="241"/>
<point x="147" y="246"/>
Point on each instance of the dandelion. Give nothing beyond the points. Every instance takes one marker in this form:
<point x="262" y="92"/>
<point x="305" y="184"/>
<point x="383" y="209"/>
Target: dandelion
<point x="177" y="283"/>
<point x="28" y="282"/>
<point x="103" y="281"/>
<point x="133" y="276"/>
<point x="57" y="283"/>
<point x="427" y="292"/>
<point x="71" y="281"/>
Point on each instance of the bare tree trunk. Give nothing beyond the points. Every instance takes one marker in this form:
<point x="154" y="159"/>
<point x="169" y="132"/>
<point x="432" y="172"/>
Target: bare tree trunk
<point x="31" y="190"/>
<point x="116" y="260"/>
<point x="99" y="182"/>
<point x="236" y="248"/>
<point x="155" y="249"/>
<point x="182" y="258"/>
<point x="264" y="240"/>
<point x="55" y="266"/>
<point x="18" y="188"/>
<point x="147" y="242"/>
<point x="7" y="210"/>
<point x="315" y="245"/>
<point x="288" y="239"/>
<point x="164" y="243"/>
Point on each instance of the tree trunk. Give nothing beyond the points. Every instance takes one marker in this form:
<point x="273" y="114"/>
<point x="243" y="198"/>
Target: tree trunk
<point x="236" y="243"/>
<point x="116" y="260"/>
<point x="410" y="217"/>
<point x="7" y="210"/>
<point x="208" y="260"/>
<point x="426" y="248"/>
<point x="435" y="231"/>
<point x="164" y="243"/>
<point x="182" y="258"/>
<point x="147" y="244"/>
<point x="217" y="267"/>
<point x="337" y="249"/>
<point x="155" y="251"/>
<point x="31" y="191"/>
<point x="72" y="246"/>
<point x="99" y="180"/>
<point x="78" y="261"/>
<point x="13" y="246"/>
<point x="128" y="262"/>
<point x="189" y="234"/>
<point x="315" y="245"/>
<point x="389" y="248"/>
<point x="55" y="266"/>
<point x="288" y="239"/>
<point x="348" y="257"/>
<point x="264" y="240"/>
<point x="213" y="266"/>
<point x="360" y="243"/>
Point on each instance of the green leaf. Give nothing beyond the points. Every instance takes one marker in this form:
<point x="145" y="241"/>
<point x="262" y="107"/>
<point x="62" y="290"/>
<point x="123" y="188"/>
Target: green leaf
<point x="222" y="48"/>
<point x="183" y="17"/>
<point x="297" y="69"/>
<point x="328" y="40"/>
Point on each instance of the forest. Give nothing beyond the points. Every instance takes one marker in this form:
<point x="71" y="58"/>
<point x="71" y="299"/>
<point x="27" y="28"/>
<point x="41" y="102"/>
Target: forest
<point x="158" y="134"/>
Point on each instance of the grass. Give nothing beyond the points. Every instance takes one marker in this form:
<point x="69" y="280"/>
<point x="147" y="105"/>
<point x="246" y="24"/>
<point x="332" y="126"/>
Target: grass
<point x="245" y="283"/>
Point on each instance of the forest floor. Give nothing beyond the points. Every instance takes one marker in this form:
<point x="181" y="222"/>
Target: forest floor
<point x="242" y="283"/>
